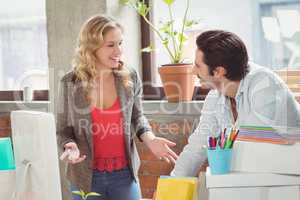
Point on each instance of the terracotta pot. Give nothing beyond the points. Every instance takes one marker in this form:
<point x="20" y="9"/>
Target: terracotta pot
<point x="178" y="81"/>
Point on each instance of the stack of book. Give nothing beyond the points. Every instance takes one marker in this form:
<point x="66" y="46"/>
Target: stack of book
<point x="265" y="149"/>
<point x="266" y="134"/>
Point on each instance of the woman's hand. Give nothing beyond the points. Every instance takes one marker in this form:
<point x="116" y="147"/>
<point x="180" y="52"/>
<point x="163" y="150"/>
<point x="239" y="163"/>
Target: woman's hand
<point x="72" y="154"/>
<point x="160" y="147"/>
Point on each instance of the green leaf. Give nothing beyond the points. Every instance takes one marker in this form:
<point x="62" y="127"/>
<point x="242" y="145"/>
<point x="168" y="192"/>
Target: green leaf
<point x="165" y="42"/>
<point x="92" y="194"/>
<point x="148" y="49"/>
<point x="142" y="8"/>
<point x="182" y="37"/>
<point x="124" y="2"/>
<point x="166" y="27"/>
<point x="169" y="2"/>
<point x="82" y="195"/>
<point x="190" y="23"/>
<point x="82" y="192"/>
<point x="77" y="193"/>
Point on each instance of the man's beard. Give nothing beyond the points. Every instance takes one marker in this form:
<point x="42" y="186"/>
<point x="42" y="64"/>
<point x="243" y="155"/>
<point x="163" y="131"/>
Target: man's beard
<point x="205" y="83"/>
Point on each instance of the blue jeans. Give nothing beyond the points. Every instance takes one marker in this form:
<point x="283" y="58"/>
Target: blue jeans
<point x="116" y="185"/>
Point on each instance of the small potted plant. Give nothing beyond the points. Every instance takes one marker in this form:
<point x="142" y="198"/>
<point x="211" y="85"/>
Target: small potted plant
<point x="84" y="195"/>
<point x="177" y="76"/>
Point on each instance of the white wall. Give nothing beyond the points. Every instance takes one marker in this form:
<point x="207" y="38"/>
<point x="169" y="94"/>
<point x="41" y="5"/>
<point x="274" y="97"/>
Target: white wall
<point x="130" y="20"/>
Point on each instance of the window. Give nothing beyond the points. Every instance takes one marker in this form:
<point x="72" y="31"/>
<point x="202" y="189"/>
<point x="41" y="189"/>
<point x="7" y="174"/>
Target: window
<point x="264" y="25"/>
<point x="280" y="46"/>
<point x="23" y="52"/>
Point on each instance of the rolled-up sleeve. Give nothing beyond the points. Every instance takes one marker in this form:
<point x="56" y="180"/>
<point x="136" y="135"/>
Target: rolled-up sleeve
<point x="193" y="154"/>
<point x="65" y="131"/>
<point x="139" y="122"/>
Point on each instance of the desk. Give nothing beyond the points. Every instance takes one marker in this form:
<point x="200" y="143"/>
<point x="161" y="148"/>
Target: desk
<point x="252" y="186"/>
<point x="7" y="183"/>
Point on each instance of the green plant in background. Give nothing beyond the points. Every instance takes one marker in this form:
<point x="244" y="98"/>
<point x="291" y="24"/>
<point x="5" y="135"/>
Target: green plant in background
<point x="83" y="195"/>
<point x="173" y="40"/>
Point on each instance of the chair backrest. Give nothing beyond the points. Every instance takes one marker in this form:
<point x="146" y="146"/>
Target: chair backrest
<point x="292" y="79"/>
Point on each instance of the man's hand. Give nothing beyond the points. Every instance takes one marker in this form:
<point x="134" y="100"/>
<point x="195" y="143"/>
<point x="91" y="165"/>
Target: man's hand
<point x="72" y="154"/>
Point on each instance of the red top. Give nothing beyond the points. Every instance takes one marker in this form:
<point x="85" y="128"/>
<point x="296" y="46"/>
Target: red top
<point x="108" y="138"/>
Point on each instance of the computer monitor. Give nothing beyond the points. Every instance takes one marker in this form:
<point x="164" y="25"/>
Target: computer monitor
<point x="36" y="156"/>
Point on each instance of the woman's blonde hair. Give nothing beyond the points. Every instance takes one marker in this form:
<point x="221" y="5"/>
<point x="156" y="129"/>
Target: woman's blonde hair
<point x="90" y="39"/>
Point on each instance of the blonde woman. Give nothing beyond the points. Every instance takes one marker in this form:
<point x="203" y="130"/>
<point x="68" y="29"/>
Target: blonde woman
<point x="100" y="113"/>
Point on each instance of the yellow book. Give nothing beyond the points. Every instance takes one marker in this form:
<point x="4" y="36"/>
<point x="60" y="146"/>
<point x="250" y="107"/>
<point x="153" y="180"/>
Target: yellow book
<point x="176" y="188"/>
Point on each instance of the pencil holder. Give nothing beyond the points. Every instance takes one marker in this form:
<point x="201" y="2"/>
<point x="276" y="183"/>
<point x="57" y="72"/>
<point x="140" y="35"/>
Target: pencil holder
<point x="219" y="160"/>
<point x="6" y="154"/>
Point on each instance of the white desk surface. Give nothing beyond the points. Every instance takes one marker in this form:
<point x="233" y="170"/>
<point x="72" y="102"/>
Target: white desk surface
<point x="8" y="183"/>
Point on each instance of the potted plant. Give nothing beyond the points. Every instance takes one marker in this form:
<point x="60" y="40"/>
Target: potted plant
<point x="84" y="195"/>
<point x="177" y="77"/>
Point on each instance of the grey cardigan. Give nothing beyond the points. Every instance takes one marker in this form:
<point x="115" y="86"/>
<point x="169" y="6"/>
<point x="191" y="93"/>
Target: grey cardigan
<point x="74" y="124"/>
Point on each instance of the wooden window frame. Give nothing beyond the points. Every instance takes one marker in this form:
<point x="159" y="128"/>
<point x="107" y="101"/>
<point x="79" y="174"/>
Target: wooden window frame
<point x="151" y="92"/>
<point x="17" y="95"/>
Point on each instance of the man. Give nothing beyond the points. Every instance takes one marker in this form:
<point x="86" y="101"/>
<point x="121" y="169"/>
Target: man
<point x="242" y="93"/>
